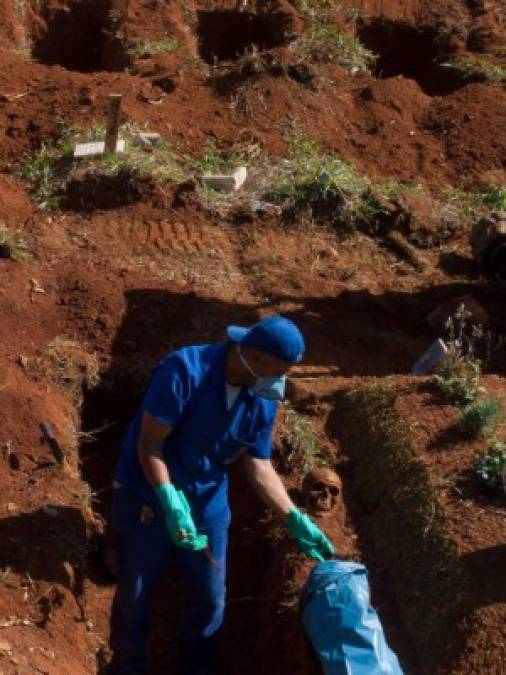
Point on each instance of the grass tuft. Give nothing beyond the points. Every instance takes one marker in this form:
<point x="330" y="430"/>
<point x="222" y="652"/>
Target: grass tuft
<point x="325" y="186"/>
<point x="216" y="161"/>
<point x="475" y="65"/>
<point x="458" y="380"/>
<point x="68" y="365"/>
<point x="481" y="417"/>
<point x="323" y="42"/>
<point x="12" y="246"/>
<point x="495" y="198"/>
<point x="141" y="49"/>
<point x="300" y="449"/>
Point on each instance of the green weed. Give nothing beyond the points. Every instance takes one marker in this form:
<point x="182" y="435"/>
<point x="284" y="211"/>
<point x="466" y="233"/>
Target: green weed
<point x="323" y="43"/>
<point x="12" y="246"/>
<point x="327" y="187"/>
<point x="141" y="49"/>
<point x="46" y="173"/>
<point x="300" y="447"/>
<point x="490" y="465"/>
<point x="393" y="188"/>
<point x="479" y="66"/>
<point x="495" y="198"/>
<point x="481" y="417"/>
<point x="458" y="380"/>
<point x="215" y="161"/>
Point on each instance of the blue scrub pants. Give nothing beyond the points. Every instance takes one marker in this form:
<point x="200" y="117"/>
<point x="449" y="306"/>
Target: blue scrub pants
<point x="143" y="549"/>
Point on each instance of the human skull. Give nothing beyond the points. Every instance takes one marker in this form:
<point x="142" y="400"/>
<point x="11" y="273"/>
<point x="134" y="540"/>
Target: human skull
<point x="321" y="488"/>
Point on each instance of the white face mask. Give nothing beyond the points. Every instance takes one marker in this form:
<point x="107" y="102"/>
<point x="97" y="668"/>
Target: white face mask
<point x="272" y="388"/>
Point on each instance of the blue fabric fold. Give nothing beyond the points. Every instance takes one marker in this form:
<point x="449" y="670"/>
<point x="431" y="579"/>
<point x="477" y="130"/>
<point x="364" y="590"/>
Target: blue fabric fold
<point x="343" y="627"/>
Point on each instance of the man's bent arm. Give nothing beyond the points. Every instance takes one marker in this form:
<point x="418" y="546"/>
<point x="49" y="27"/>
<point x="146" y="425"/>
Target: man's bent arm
<point x="262" y="475"/>
<point x="150" y="450"/>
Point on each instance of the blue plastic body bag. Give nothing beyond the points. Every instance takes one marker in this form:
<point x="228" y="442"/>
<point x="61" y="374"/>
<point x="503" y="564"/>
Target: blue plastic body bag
<point x="343" y="627"/>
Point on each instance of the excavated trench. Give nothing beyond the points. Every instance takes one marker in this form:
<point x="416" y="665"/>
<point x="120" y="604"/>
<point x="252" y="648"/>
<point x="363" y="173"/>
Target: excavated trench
<point x="225" y="35"/>
<point x="81" y="35"/>
<point x="264" y="573"/>
<point x="413" y="52"/>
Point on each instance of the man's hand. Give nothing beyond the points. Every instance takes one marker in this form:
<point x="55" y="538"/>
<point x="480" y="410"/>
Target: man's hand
<point x="179" y="519"/>
<point x="310" y="538"/>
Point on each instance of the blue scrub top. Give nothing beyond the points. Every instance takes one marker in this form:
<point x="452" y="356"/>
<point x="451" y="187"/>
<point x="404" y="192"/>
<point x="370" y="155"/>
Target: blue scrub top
<point x="187" y="392"/>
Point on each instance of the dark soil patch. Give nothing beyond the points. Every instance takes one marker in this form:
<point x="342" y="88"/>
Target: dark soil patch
<point x="414" y="52"/>
<point x="226" y="34"/>
<point x="80" y="36"/>
<point x="91" y="190"/>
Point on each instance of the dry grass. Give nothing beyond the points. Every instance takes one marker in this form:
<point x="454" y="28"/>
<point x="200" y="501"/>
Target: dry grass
<point x="299" y="449"/>
<point x="12" y="246"/>
<point x="69" y="366"/>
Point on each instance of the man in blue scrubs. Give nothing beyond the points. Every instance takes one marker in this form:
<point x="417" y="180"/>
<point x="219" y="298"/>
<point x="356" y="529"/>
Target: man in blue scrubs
<point x="204" y="407"/>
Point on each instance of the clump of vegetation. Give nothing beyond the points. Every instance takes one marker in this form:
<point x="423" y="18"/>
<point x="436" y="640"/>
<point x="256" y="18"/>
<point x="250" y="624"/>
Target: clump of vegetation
<point x="458" y="378"/>
<point x="300" y="448"/>
<point x="68" y="365"/>
<point x="144" y="48"/>
<point x="481" y="417"/>
<point x="495" y="198"/>
<point x="490" y="466"/>
<point x="46" y="172"/>
<point x="216" y="161"/>
<point x="323" y="42"/>
<point x="50" y="171"/>
<point x="12" y="246"/>
<point x="325" y="186"/>
<point x="478" y="66"/>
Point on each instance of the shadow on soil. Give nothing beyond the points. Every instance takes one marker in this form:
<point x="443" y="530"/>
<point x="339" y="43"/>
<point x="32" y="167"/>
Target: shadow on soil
<point x="488" y="565"/>
<point x="227" y="34"/>
<point x="27" y="539"/>
<point x="414" y="52"/>
<point x="80" y="36"/>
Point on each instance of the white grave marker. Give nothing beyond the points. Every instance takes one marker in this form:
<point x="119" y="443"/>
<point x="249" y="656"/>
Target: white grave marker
<point x="227" y="183"/>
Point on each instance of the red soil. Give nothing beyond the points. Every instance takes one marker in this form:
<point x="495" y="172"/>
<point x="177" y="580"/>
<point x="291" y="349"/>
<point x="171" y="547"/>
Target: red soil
<point x="132" y="283"/>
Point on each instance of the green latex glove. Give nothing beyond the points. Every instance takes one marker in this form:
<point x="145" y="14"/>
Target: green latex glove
<point x="179" y="519"/>
<point x="310" y="538"/>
